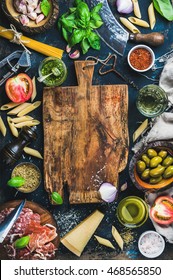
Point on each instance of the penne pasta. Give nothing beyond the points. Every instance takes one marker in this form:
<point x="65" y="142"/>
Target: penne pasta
<point x="13" y="129"/>
<point x="138" y="21"/>
<point x="22" y="119"/>
<point x="27" y="123"/>
<point x="9" y="105"/>
<point x="136" y="8"/>
<point x="34" y="94"/>
<point x="16" y="110"/>
<point x="32" y="152"/>
<point x="151" y="15"/>
<point x="129" y="25"/>
<point x="2" y="127"/>
<point x="28" y="109"/>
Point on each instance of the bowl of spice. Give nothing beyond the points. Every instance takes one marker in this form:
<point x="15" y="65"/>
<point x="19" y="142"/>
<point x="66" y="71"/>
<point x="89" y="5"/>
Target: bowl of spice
<point x="151" y="244"/>
<point x="52" y="71"/>
<point x="141" y="58"/>
<point x="31" y="175"/>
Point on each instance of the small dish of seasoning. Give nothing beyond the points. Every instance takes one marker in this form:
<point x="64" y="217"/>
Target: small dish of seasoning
<point x="52" y="71"/>
<point x="151" y="244"/>
<point x="31" y="174"/>
<point x="141" y="58"/>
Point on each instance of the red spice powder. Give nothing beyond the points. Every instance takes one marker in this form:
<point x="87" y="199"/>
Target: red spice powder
<point x="140" y="58"/>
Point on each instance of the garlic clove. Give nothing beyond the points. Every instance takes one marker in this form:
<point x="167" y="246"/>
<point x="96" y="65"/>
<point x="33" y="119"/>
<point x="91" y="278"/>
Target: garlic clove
<point x="107" y="192"/>
<point x="75" y="54"/>
<point x="68" y="49"/>
<point x="123" y="187"/>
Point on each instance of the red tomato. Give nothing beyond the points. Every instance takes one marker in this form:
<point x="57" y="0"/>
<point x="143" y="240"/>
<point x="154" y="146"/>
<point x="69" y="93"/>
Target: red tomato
<point x="19" y="88"/>
<point x="162" y="210"/>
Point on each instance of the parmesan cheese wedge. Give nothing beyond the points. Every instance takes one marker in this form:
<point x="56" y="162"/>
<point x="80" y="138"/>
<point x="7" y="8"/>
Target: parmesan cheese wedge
<point x="117" y="237"/>
<point x="140" y="130"/>
<point x="104" y="241"/>
<point x="76" y="239"/>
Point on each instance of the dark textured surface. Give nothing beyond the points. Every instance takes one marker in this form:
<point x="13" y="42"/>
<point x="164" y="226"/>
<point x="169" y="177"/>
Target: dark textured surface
<point x="69" y="216"/>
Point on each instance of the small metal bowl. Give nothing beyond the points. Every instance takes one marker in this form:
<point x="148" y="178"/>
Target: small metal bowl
<point x="137" y="55"/>
<point x="32" y="27"/>
<point x="32" y="175"/>
<point x="154" y="240"/>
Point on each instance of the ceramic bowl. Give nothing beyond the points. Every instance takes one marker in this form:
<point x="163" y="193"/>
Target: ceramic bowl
<point x="151" y="244"/>
<point x="135" y="176"/>
<point x="136" y="54"/>
<point x="32" y="27"/>
<point x="31" y="173"/>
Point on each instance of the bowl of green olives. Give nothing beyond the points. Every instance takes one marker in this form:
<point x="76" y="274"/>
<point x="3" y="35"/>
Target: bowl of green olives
<point x="152" y="167"/>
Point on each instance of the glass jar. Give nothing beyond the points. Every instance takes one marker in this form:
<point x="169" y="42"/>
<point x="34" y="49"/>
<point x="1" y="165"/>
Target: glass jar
<point x="55" y="68"/>
<point x="151" y="101"/>
<point x="132" y="211"/>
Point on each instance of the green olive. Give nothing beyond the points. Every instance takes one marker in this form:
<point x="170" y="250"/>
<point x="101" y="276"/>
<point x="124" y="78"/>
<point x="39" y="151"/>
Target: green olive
<point x="154" y="162"/>
<point x="145" y="174"/>
<point x="146" y="159"/>
<point x="168" y="173"/>
<point x="162" y="154"/>
<point x="155" y="180"/>
<point x="158" y="171"/>
<point x="140" y="165"/>
<point x="167" y="161"/>
<point x="151" y="153"/>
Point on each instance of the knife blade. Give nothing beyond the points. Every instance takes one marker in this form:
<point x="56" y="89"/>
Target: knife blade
<point x="115" y="36"/>
<point x="9" y="221"/>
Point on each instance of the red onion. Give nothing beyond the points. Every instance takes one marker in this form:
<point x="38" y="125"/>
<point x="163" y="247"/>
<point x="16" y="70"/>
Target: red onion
<point x="124" y="6"/>
<point x="108" y="192"/>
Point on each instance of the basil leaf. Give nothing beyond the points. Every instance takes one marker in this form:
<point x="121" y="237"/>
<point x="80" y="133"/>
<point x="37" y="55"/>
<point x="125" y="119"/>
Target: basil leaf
<point x="85" y="45"/>
<point x="94" y="41"/>
<point x="76" y="37"/>
<point x="45" y="7"/>
<point x="16" y="182"/>
<point x="68" y="24"/>
<point x="97" y="8"/>
<point x="56" y="198"/>
<point x="76" y="2"/>
<point x="65" y="34"/>
<point x="83" y="13"/>
<point x="96" y="16"/>
<point x="22" y="242"/>
<point x="95" y="23"/>
<point x="164" y="8"/>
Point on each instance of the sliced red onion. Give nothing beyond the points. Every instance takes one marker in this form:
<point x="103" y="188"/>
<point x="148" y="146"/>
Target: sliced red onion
<point x="124" y="6"/>
<point x="108" y="192"/>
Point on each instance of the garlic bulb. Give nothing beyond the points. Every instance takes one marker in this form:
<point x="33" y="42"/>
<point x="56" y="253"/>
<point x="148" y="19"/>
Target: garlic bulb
<point x="124" y="6"/>
<point x="108" y="192"/>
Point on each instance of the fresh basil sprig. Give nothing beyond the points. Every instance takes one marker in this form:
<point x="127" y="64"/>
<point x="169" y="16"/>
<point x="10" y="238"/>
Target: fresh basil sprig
<point x="78" y="26"/>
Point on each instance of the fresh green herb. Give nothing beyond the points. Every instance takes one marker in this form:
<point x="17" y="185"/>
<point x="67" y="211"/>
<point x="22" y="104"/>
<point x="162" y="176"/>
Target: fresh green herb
<point x="78" y="26"/>
<point x="45" y="7"/>
<point x="56" y="198"/>
<point x="16" y="182"/>
<point x="164" y="7"/>
<point x="22" y="242"/>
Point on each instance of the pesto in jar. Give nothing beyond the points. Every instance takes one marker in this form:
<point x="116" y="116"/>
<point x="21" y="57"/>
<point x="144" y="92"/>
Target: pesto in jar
<point x="56" y="68"/>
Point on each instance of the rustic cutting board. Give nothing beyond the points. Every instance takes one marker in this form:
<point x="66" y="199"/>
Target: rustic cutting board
<point x="85" y="135"/>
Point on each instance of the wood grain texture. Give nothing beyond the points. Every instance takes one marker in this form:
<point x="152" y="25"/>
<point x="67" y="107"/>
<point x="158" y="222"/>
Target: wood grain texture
<point x="85" y="135"/>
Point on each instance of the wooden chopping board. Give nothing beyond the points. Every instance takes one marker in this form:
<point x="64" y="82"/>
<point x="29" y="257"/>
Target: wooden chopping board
<point x="85" y="135"/>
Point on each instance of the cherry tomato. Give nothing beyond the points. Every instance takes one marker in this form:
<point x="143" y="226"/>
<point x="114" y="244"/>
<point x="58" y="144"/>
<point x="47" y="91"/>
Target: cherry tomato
<point x="19" y="88"/>
<point x="162" y="210"/>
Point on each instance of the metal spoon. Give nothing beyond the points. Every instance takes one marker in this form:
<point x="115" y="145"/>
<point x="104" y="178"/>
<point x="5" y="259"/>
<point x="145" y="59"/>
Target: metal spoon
<point x="54" y="71"/>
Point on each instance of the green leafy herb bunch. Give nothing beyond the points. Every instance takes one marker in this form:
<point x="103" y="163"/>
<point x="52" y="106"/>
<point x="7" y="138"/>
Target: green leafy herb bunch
<point x="78" y="26"/>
